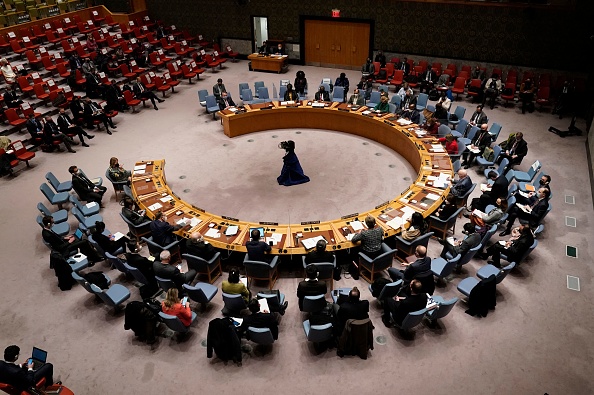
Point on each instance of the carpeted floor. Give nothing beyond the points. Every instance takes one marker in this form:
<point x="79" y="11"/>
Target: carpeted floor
<point x="537" y="340"/>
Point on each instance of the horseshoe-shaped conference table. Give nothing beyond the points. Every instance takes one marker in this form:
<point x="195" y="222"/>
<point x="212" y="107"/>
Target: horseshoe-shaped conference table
<point x="424" y="195"/>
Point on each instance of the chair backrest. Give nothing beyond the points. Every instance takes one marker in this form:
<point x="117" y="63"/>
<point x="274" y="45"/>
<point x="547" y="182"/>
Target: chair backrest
<point x="44" y="210"/>
<point x="318" y="333"/>
<point x="47" y="192"/>
<point x="211" y="102"/>
<point x="472" y="133"/>
<point x="263" y="93"/>
<point x="396" y="99"/>
<point x="257" y="269"/>
<point x="313" y="304"/>
<point x="195" y="293"/>
<point x="173" y="322"/>
<point x="496" y="152"/>
<point x="452" y="220"/>
<point x="375" y="97"/>
<point x="281" y="92"/>
<point x="422" y="99"/>
<point x="233" y="302"/>
<point x="390" y="290"/>
<point x="246" y="95"/>
<point x="202" y="94"/>
<point x="494" y="130"/>
<point x="444" y="308"/>
<point x="272" y="299"/>
<point x="443" y="130"/>
<point x="532" y="247"/>
<point x="116" y="262"/>
<point x="392" y="107"/>
<point x="460" y="111"/>
<point x="413" y="319"/>
<point x="51" y="178"/>
<point x="461" y="126"/>
<point x="137" y="274"/>
<point x="242" y="86"/>
<point x="469" y="255"/>
<point x="257" y="85"/>
<point x="164" y="283"/>
<point x="449" y="267"/>
<point x="456" y="165"/>
<point x="504" y="272"/>
<point x="488" y="234"/>
<point x="502" y="165"/>
<point x="384" y="260"/>
<point x="260" y="335"/>
<point x="533" y="169"/>
<point x="338" y="93"/>
<point x="74" y="200"/>
<point x="82" y="282"/>
<point x="460" y="83"/>
<point x="383" y="88"/>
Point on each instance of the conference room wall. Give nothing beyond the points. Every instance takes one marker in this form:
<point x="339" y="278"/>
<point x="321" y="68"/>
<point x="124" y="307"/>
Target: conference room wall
<point x="537" y="37"/>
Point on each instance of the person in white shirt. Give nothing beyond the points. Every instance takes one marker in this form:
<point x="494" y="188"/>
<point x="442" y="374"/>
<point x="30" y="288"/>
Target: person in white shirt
<point x="445" y="101"/>
<point x="403" y="89"/>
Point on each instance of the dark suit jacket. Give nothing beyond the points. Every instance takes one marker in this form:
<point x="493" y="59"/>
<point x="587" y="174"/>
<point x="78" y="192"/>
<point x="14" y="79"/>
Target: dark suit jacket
<point x="500" y="188"/>
<point x="82" y="187"/>
<point x="11" y="99"/>
<point x="468" y="243"/>
<point x="519" y="247"/>
<point x="260" y="320"/>
<point x="16" y="376"/>
<point x="404" y="66"/>
<point x="49" y="131"/>
<point x="62" y="122"/>
<point x="351" y="310"/>
<point x="521" y="151"/>
<point x="318" y="257"/>
<point x="408" y="305"/>
<point x="162" y="232"/>
<point x="310" y="288"/>
<point x="34" y="127"/>
<point x="56" y="242"/>
<point x="77" y="109"/>
<point x="461" y="187"/>
<point x="360" y="101"/>
<point x="421" y="266"/>
<point x="200" y="249"/>
<point x="222" y="104"/>
<point x="538" y="210"/>
<point x="323" y="96"/>
<point x="432" y="76"/>
<point x="482" y="140"/>
<point x="136" y="89"/>
<point x="479" y="118"/>
<point x="257" y="250"/>
<point x="170" y="272"/>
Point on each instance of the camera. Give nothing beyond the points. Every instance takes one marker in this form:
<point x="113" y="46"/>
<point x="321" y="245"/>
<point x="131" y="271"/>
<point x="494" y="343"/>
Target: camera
<point x="287" y="145"/>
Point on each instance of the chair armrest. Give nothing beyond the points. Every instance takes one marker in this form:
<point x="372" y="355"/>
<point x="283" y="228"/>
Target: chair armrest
<point x="274" y="262"/>
<point x="214" y="258"/>
<point x="170" y="246"/>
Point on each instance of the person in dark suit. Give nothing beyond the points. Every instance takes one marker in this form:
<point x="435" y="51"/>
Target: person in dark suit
<point x="311" y="286"/>
<point x="482" y="139"/>
<point x="544" y="182"/>
<point x="321" y="94"/>
<point x="23" y="376"/>
<point x="381" y="58"/>
<point x="343" y="81"/>
<point x="400" y="306"/>
<point x="319" y="254"/>
<point x="258" y="319"/>
<point x="11" y="98"/>
<point x="478" y="117"/>
<point x="225" y="101"/>
<point x="420" y="267"/>
<point x="258" y="250"/>
<point x="164" y="269"/>
<point x="264" y="49"/>
<point x="162" y="231"/>
<point x="408" y="99"/>
<point x="461" y="247"/>
<point x="300" y="83"/>
<point x="218" y="89"/>
<point x="78" y="111"/>
<point x="352" y="309"/>
<point x="514" y="249"/>
<point x="280" y="50"/>
<point x="85" y="188"/>
<point x="51" y="133"/>
<point x="356" y="99"/>
<point x="291" y="94"/>
<point x="75" y="62"/>
<point x="66" y="126"/>
<point x="143" y="265"/>
<point x="499" y="189"/>
<point x="367" y="70"/>
<point x="92" y="112"/>
<point x="197" y="246"/>
<point x="115" y="98"/>
<point x="34" y="127"/>
<point x="463" y="185"/>
<point x="411" y="113"/>
<point x="427" y="80"/>
<point x="533" y="213"/>
<point x="447" y="208"/>
<point x="67" y="244"/>
<point x="516" y="152"/>
<point x="108" y="243"/>
<point x="404" y="66"/>
<point x="140" y="91"/>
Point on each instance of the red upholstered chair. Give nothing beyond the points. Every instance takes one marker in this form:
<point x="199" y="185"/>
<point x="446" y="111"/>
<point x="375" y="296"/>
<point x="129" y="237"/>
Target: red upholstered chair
<point x="135" y="68"/>
<point x="27" y="110"/>
<point x="498" y="71"/>
<point x="453" y="67"/>
<point x="128" y="75"/>
<point x="179" y="51"/>
<point x="187" y="73"/>
<point x="170" y="81"/>
<point x="509" y="92"/>
<point x="188" y="37"/>
<point x="112" y="41"/>
<point x="398" y="78"/>
<point x="16" y="47"/>
<point x="33" y="60"/>
<point x="233" y="55"/>
<point x="82" y="28"/>
<point x="79" y="79"/>
<point x="47" y="63"/>
<point x="97" y="18"/>
<point x="376" y="69"/>
<point x="3" y="44"/>
<point x="174" y="70"/>
<point x="202" y="41"/>
<point x="166" y="45"/>
<point x="40" y="92"/>
<point x="125" y="29"/>
<point x="464" y="74"/>
<point x="212" y="63"/>
<point x="477" y="84"/>
<point x="126" y="48"/>
<point x="29" y="44"/>
<point x="196" y="69"/>
<point x="155" y="60"/>
<point x="13" y="118"/>
<point x="68" y="48"/>
<point x="24" y="85"/>
<point x="138" y="34"/>
<point x="395" y="61"/>
<point x="424" y="64"/>
<point x="151" y="39"/>
<point x="130" y="100"/>
<point x="437" y="67"/>
<point x="109" y="20"/>
<point x="62" y="70"/>
<point x="147" y="80"/>
<point x="161" y="86"/>
<point x="543" y="96"/>
<point x="459" y="86"/>
<point x="21" y="152"/>
<point x="99" y="38"/>
<point x="38" y="33"/>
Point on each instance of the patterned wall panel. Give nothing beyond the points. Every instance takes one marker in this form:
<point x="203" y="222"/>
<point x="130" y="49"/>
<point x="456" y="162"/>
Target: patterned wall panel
<point x="507" y="35"/>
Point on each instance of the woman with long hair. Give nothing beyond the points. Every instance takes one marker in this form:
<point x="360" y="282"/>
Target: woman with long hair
<point x="173" y="306"/>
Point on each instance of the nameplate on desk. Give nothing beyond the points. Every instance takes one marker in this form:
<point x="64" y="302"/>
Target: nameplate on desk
<point x="198" y="209"/>
<point x="382" y="205"/>
<point x="230" y="218"/>
<point x="310" y="222"/>
<point x="268" y="223"/>
<point x="349" y="216"/>
<point x="266" y="108"/>
<point x="388" y="123"/>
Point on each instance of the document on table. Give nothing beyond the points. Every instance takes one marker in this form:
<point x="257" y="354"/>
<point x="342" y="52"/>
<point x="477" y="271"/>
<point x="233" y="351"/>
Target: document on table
<point x="183" y="221"/>
<point x="155" y="206"/>
<point x="403" y="122"/>
<point x="195" y="221"/>
<point x="451" y="240"/>
<point x="442" y="181"/>
<point x="275" y="238"/>
<point x="357" y="225"/>
<point x="213" y="232"/>
<point x="407" y="213"/>
<point x="311" y="242"/>
<point x="437" y="148"/>
<point x="321" y="105"/>
<point x="232" y="230"/>
<point x="432" y="196"/>
<point x="166" y="199"/>
<point x="350" y="236"/>
<point x="474" y="150"/>
<point x="485" y="187"/>
<point x="395" y="223"/>
<point x="117" y="236"/>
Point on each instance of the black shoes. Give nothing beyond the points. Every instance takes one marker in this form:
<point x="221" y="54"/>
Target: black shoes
<point x="113" y="126"/>
<point x="109" y="132"/>
<point x="160" y="100"/>
<point x="156" y="108"/>
<point x="386" y="321"/>
<point x="90" y="136"/>
<point x="85" y="144"/>
<point x="71" y="150"/>
<point x="283" y="308"/>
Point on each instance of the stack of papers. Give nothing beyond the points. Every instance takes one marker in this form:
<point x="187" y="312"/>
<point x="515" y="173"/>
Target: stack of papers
<point x="357" y="225"/>
<point x="195" y="221"/>
<point x="117" y="236"/>
<point x="183" y="221"/>
<point x="350" y="236"/>
<point x="485" y="187"/>
<point x="155" y="207"/>
<point x="214" y="233"/>
<point x="318" y="105"/>
<point x="139" y="169"/>
<point x="232" y="109"/>
<point x="311" y="242"/>
<point x="437" y="148"/>
<point x="432" y="196"/>
<point x="403" y="122"/>
<point x="166" y="199"/>
<point x="441" y="181"/>
<point x="276" y="238"/>
<point x="473" y="149"/>
<point x="264" y="305"/>
<point x="78" y="257"/>
<point x="395" y="223"/>
<point x="407" y="213"/>
<point x="231" y="230"/>
<point x="366" y="112"/>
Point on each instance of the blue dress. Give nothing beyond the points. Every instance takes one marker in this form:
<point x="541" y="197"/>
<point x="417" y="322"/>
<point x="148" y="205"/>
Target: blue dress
<point x="292" y="173"/>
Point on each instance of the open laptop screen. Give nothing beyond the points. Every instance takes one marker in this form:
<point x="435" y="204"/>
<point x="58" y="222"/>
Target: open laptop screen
<point x="261" y="230"/>
<point x="39" y="355"/>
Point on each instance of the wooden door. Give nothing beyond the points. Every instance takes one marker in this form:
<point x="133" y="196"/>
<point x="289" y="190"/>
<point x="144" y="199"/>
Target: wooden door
<point x="336" y="43"/>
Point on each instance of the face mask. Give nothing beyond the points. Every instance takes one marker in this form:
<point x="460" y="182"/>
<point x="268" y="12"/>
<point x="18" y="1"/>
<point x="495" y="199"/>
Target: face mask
<point x="542" y="182"/>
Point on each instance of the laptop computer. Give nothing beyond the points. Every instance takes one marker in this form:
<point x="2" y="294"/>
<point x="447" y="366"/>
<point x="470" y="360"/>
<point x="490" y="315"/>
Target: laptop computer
<point x="78" y="234"/>
<point x="261" y="230"/>
<point x="39" y="357"/>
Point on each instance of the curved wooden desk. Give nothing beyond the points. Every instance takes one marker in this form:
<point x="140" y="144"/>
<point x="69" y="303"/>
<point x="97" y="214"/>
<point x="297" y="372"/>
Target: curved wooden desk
<point x="150" y="189"/>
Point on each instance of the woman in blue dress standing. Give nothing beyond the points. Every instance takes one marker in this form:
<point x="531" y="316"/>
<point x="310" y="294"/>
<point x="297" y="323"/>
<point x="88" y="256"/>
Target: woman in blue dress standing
<point x="292" y="173"/>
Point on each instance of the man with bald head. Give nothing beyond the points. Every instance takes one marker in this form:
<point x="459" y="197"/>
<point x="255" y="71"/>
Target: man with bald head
<point x="197" y="246"/>
<point x="463" y="185"/>
<point x="419" y="268"/>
